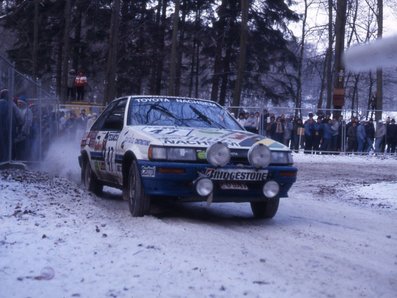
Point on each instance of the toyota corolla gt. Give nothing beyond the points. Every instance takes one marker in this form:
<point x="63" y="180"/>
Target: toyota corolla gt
<point x="189" y="149"/>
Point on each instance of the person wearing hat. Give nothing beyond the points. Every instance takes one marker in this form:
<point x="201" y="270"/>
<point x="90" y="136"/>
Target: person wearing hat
<point x="71" y="90"/>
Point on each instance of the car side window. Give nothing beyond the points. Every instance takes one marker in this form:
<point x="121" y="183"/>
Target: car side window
<point x="112" y="119"/>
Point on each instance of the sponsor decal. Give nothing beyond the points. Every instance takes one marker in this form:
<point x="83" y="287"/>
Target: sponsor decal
<point x="113" y="136"/>
<point x="141" y="142"/>
<point x="236" y="175"/>
<point x="151" y="99"/>
<point x="196" y="102"/>
<point x="148" y="171"/>
<point x="167" y="131"/>
<point x="201" y="154"/>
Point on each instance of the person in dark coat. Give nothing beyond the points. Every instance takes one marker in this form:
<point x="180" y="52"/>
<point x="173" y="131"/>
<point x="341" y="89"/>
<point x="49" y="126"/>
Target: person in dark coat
<point x="309" y="131"/>
<point x="391" y="136"/>
<point x="10" y="118"/>
<point x="370" y="133"/>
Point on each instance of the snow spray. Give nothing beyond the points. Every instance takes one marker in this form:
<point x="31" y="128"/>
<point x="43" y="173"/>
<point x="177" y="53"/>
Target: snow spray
<point x="380" y="53"/>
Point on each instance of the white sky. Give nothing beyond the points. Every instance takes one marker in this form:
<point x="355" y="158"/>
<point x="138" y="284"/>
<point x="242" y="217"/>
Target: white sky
<point x="318" y="17"/>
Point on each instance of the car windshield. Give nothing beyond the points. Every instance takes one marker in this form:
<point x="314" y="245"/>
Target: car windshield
<point x="179" y="112"/>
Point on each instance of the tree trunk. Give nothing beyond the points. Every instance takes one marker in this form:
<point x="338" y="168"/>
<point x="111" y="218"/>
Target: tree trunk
<point x="339" y="90"/>
<point x="220" y="41"/>
<point x="180" y="52"/>
<point x="379" y="72"/>
<point x="65" y="50"/>
<point x="242" y="57"/>
<point x="111" y="67"/>
<point x="77" y="41"/>
<point x="173" y="58"/>
<point x="329" y="55"/>
<point x="298" y="99"/>
<point x="35" y="39"/>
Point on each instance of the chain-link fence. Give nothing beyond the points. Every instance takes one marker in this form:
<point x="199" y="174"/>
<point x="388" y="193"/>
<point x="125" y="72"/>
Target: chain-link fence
<point x="31" y="118"/>
<point x="324" y="132"/>
<point x="28" y="116"/>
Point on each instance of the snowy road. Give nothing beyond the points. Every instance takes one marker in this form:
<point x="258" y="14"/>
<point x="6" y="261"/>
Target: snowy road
<point x="336" y="236"/>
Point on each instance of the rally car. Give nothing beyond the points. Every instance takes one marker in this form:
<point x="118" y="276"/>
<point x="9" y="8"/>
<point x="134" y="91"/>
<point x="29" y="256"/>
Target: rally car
<point x="187" y="149"/>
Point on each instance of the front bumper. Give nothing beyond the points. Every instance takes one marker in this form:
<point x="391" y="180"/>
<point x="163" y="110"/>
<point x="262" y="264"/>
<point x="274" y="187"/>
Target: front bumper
<point x="177" y="180"/>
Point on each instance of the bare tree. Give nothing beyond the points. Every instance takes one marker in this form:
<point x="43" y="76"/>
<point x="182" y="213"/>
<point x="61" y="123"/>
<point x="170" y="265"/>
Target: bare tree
<point x="379" y="72"/>
<point x="174" y="55"/>
<point x="339" y="91"/>
<point x="65" y="50"/>
<point x="242" y="55"/>
<point x="111" y="67"/>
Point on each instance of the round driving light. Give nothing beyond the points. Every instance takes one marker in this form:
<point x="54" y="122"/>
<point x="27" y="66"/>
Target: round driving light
<point x="204" y="187"/>
<point x="218" y="154"/>
<point x="259" y="156"/>
<point x="271" y="189"/>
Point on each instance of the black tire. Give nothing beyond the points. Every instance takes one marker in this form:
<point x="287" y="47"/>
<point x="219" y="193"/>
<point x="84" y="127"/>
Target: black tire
<point x="90" y="180"/>
<point x="267" y="209"/>
<point x="138" y="201"/>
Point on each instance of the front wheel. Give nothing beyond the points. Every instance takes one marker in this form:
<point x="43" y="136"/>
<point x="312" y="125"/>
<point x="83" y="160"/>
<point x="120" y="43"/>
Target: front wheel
<point x="266" y="209"/>
<point x="90" y="180"/>
<point x="138" y="201"/>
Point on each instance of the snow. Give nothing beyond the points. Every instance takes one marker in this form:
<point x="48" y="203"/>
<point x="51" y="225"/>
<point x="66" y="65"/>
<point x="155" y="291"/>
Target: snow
<point x="335" y="236"/>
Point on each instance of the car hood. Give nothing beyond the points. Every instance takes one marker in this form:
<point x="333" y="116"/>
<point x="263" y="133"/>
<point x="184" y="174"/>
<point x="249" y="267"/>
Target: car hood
<point x="204" y="137"/>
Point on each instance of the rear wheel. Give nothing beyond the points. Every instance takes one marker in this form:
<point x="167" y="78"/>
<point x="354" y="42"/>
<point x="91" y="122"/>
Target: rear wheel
<point x="267" y="209"/>
<point x="138" y="201"/>
<point x="90" y="180"/>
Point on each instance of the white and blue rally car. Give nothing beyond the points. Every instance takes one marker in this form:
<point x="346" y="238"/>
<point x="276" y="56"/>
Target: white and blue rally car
<point x="189" y="149"/>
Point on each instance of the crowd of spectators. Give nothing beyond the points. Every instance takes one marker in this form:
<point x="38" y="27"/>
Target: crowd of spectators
<point x="28" y="126"/>
<point x="323" y="134"/>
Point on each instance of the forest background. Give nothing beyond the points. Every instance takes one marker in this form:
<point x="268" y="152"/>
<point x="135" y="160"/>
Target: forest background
<point x="236" y="52"/>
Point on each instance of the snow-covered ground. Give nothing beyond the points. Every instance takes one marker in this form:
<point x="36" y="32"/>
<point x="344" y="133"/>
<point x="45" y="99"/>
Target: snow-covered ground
<point x="335" y="236"/>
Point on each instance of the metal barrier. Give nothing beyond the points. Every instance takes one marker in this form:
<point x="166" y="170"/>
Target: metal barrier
<point x="28" y="116"/>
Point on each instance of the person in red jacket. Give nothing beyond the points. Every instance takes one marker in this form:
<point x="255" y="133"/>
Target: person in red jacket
<point x="80" y="82"/>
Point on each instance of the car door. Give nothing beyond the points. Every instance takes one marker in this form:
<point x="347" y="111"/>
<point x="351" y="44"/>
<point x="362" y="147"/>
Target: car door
<point x="108" y="128"/>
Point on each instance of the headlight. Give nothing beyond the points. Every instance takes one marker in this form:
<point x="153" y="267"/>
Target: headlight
<point x="218" y="154"/>
<point x="172" y="153"/>
<point x="281" y="157"/>
<point x="204" y="186"/>
<point x="271" y="189"/>
<point x="259" y="156"/>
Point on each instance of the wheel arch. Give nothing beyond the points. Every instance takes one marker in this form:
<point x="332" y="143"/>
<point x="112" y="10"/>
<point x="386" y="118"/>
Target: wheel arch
<point x="129" y="157"/>
<point x="84" y="158"/>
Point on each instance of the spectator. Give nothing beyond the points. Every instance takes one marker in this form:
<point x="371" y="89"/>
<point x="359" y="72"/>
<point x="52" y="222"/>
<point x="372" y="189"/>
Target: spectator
<point x="265" y="118"/>
<point x="288" y="128"/>
<point x="352" y="137"/>
<point x="278" y="130"/>
<point x="317" y="134"/>
<point x="22" y="141"/>
<point x="327" y="135"/>
<point x="309" y="128"/>
<point x="370" y="133"/>
<point x="380" y="133"/>
<point x="251" y="123"/>
<point x="241" y="119"/>
<point x="271" y="127"/>
<point x="298" y="134"/>
<point x="80" y="82"/>
<point x="391" y="136"/>
<point x="8" y="124"/>
<point x="361" y="137"/>
<point x="71" y="90"/>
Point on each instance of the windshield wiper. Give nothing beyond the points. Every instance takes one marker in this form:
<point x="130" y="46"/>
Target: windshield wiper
<point x="166" y="112"/>
<point x="204" y="117"/>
